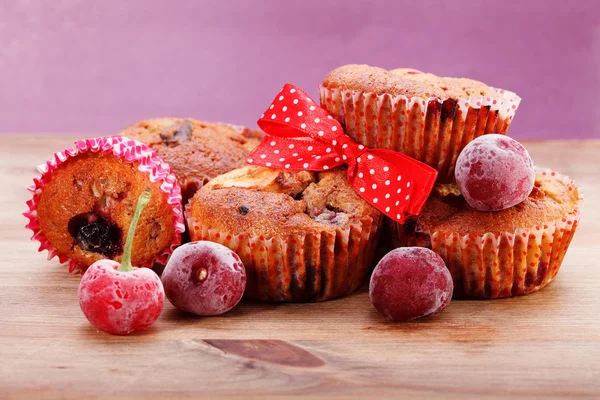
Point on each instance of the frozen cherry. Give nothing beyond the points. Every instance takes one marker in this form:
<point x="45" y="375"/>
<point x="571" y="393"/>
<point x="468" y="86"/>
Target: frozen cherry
<point x="409" y="283"/>
<point x="204" y="278"/>
<point x="494" y="172"/>
<point x="119" y="298"/>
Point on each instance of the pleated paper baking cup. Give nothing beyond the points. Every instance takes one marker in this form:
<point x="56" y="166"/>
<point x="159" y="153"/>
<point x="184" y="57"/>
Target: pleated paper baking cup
<point x="300" y="268"/>
<point x="492" y="266"/>
<point x="132" y="151"/>
<point x="433" y="131"/>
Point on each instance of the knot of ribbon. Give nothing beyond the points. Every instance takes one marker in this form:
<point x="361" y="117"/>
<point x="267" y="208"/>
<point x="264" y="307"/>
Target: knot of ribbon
<point x="300" y="135"/>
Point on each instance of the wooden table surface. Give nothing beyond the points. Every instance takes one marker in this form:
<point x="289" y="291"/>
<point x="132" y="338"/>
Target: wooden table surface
<point x="545" y="345"/>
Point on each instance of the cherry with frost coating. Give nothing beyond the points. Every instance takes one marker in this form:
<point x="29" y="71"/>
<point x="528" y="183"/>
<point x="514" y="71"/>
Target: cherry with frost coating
<point x="494" y="172"/>
<point x="409" y="283"/>
<point x="204" y="278"/>
<point x="119" y="298"/>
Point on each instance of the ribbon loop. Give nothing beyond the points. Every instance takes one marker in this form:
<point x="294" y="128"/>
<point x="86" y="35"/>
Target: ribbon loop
<point x="300" y="135"/>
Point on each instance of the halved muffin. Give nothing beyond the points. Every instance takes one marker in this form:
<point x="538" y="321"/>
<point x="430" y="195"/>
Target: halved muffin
<point x="84" y="201"/>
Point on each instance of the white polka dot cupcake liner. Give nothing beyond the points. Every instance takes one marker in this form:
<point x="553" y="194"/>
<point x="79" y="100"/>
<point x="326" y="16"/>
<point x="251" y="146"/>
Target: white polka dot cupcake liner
<point x="148" y="162"/>
<point x="300" y="268"/>
<point x="433" y="131"/>
<point x="493" y="266"/>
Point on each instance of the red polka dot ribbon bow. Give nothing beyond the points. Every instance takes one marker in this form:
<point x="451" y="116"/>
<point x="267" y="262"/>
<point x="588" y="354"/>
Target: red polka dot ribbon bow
<point x="303" y="136"/>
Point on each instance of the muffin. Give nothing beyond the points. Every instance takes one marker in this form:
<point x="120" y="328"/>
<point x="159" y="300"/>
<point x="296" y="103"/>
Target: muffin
<point x="84" y="201"/>
<point x="197" y="151"/>
<point x="498" y="254"/>
<point x="427" y="117"/>
<point x="302" y="236"/>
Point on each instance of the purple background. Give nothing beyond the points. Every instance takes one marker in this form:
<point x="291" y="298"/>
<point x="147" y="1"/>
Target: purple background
<point x="96" y="66"/>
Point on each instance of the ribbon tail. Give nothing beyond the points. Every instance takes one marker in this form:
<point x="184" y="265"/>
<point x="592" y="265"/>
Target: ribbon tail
<point x="423" y="175"/>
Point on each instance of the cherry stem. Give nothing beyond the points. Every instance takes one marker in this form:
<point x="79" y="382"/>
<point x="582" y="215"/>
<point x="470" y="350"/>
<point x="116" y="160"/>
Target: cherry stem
<point x="143" y="200"/>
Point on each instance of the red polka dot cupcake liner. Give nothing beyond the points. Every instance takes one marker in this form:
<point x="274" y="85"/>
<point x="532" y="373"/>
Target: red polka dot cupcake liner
<point x="433" y="131"/>
<point x="132" y="151"/>
<point x="492" y="266"/>
<point x="300" y="268"/>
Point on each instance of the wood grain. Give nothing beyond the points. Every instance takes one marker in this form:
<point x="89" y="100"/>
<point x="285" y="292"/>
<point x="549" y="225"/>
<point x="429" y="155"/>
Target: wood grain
<point x="544" y="345"/>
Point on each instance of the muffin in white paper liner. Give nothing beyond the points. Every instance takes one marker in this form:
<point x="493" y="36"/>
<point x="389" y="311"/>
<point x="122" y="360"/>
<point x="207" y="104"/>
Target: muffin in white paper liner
<point x="433" y="130"/>
<point x="508" y="264"/>
<point x="131" y="151"/>
<point x="299" y="268"/>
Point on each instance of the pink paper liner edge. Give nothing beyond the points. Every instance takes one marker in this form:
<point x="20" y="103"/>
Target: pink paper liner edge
<point x="149" y="162"/>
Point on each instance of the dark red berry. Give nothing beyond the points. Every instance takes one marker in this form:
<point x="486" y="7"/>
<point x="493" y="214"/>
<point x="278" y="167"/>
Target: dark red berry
<point x="93" y="232"/>
<point x="119" y="298"/>
<point x="204" y="278"/>
<point x="409" y="283"/>
<point x="494" y="172"/>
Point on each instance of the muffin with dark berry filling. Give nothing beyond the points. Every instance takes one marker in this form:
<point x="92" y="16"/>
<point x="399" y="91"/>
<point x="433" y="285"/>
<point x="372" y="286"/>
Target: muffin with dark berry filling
<point x="303" y="236"/>
<point x="84" y="201"/>
<point x="196" y="151"/>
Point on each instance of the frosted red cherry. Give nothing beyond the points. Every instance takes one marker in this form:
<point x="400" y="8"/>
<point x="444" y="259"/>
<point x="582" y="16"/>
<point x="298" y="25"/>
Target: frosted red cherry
<point x="120" y="302"/>
<point x="204" y="278"/>
<point x="409" y="283"/>
<point x="119" y="298"/>
<point x="494" y="172"/>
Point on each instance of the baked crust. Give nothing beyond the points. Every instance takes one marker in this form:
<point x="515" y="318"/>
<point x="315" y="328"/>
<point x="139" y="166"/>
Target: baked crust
<point x="404" y="81"/>
<point x="447" y="211"/>
<point x="274" y="203"/>
<point x="197" y="151"/>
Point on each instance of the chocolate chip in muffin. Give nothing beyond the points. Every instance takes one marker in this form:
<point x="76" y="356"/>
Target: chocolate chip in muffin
<point x="244" y="210"/>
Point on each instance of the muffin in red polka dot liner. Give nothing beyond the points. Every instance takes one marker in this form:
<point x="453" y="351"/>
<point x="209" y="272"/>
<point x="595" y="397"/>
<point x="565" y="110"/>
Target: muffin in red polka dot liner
<point x="426" y="117"/>
<point x="83" y="202"/>
<point x="505" y="253"/>
<point x="302" y="236"/>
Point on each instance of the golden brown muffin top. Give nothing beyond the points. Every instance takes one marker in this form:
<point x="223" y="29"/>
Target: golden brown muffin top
<point x="404" y="81"/>
<point x="261" y="201"/>
<point x="447" y="211"/>
<point x="196" y="151"/>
